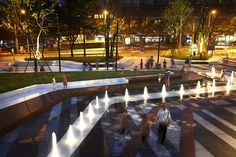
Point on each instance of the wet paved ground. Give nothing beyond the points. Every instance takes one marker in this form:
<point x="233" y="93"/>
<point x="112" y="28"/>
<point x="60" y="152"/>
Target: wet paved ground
<point x="201" y="127"/>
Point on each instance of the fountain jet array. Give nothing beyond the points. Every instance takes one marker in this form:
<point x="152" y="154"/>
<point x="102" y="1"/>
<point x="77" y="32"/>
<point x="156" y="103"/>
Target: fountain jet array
<point x="181" y="92"/>
<point x="163" y="93"/>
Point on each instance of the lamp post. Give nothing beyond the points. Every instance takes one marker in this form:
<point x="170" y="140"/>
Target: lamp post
<point x="212" y="13"/>
<point x="106" y="19"/>
<point x="59" y="44"/>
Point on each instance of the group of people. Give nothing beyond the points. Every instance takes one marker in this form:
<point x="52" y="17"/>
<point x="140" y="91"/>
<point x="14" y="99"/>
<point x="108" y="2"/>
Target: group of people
<point x="64" y="80"/>
<point x="151" y="64"/>
<point x="162" y="121"/>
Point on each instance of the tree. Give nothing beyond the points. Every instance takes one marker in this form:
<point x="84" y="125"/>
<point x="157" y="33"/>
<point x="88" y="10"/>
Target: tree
<point x="175" y="17"/>
<point x="74" y="17"/>
<point x="37" y="19"/>
<point x="11" y="12"/>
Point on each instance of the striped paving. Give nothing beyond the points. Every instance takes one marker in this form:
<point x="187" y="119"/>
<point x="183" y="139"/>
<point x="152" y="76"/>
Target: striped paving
<point x="215" y="130"/>
<point x="231" y="109"/>
<point x="159" y="150"/>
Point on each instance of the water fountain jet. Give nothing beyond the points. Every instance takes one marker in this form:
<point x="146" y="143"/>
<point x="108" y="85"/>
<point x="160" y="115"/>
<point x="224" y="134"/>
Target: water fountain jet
<point x="198" y="88"/>
<point x="213" y="72"/>
<point x="82" y="124"/>
<point x="106" y="98"/>
<point x="228" y="87"/>
<point x="91" y="113"/>
<point x="145" y="93"/>
<point x="213" y="88"/>
<point x="97" y="103"/>
<point x="232" y="77"/>
<point x="163" y="93"/>
<point x="181" y="92"/>
<point x="55" y="152"/>
<point x="126" y="98"/>
<point x="71" y="139"/>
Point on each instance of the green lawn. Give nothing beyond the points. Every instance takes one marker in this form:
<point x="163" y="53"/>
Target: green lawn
<point x="11" y="81"/>
<point x="88" y="50"/>
<point x="88" y="59"/>
<point x="183" y="54"/>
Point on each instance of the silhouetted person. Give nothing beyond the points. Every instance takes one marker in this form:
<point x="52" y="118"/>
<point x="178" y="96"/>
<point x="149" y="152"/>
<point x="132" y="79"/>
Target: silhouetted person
<point x="141" y="64"/>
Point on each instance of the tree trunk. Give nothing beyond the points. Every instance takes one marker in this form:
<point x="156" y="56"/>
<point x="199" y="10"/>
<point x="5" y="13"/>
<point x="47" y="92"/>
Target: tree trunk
<point x="28" y="47"/>
<point x="71" y="49"/>
<point x="113" y="45"/>
<point x="84" y="43"/>
<point x="43" y="48"/>
<point x="180" y="33"/>
<point x="16" y="40"/>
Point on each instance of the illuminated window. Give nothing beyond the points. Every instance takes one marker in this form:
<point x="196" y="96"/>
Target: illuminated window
<point x="101" y="16"/>
<point x="96" y="16"/>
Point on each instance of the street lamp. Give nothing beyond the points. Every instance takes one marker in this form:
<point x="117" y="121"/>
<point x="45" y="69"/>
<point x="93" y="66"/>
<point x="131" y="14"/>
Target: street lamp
<point x="22" y="11"/>
<point x="106" y="19"/>
<point x="212" y="13"/>
<point x="59" y="44"/>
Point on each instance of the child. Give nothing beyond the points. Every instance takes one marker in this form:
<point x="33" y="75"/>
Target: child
<point x="64" y="79"/>
<point x="53" y="82"/>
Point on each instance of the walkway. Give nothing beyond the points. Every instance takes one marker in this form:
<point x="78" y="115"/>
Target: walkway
<point x="23" y="94"/>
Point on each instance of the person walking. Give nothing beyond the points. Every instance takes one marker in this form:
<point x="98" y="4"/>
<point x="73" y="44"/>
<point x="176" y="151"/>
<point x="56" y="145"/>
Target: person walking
<point x="97" y="64"/>
<point x="123" y="122"/>
<point x="141" y="64"/>
<point x="53" y="82"/>
<point x="222" y="74"/>
<point x="167" y="79"/>
<point x="172" y="59"/>
<point x="151" y="61"/>
<point x="163" y="119"/>
<point x="164" y="64"/>
<point x="64" y="79"/>
<point x="190" y="60"/>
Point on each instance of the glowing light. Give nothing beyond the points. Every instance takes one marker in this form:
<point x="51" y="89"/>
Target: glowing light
<point x="213" y="12"/>
<point x="105" y="12"/>
<point x="54" y="146"/>
<point x="22" y="11"/>
<point x="163" y="93"/>
<point x="159" y="79"/>
<point x="181" y="92"/>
